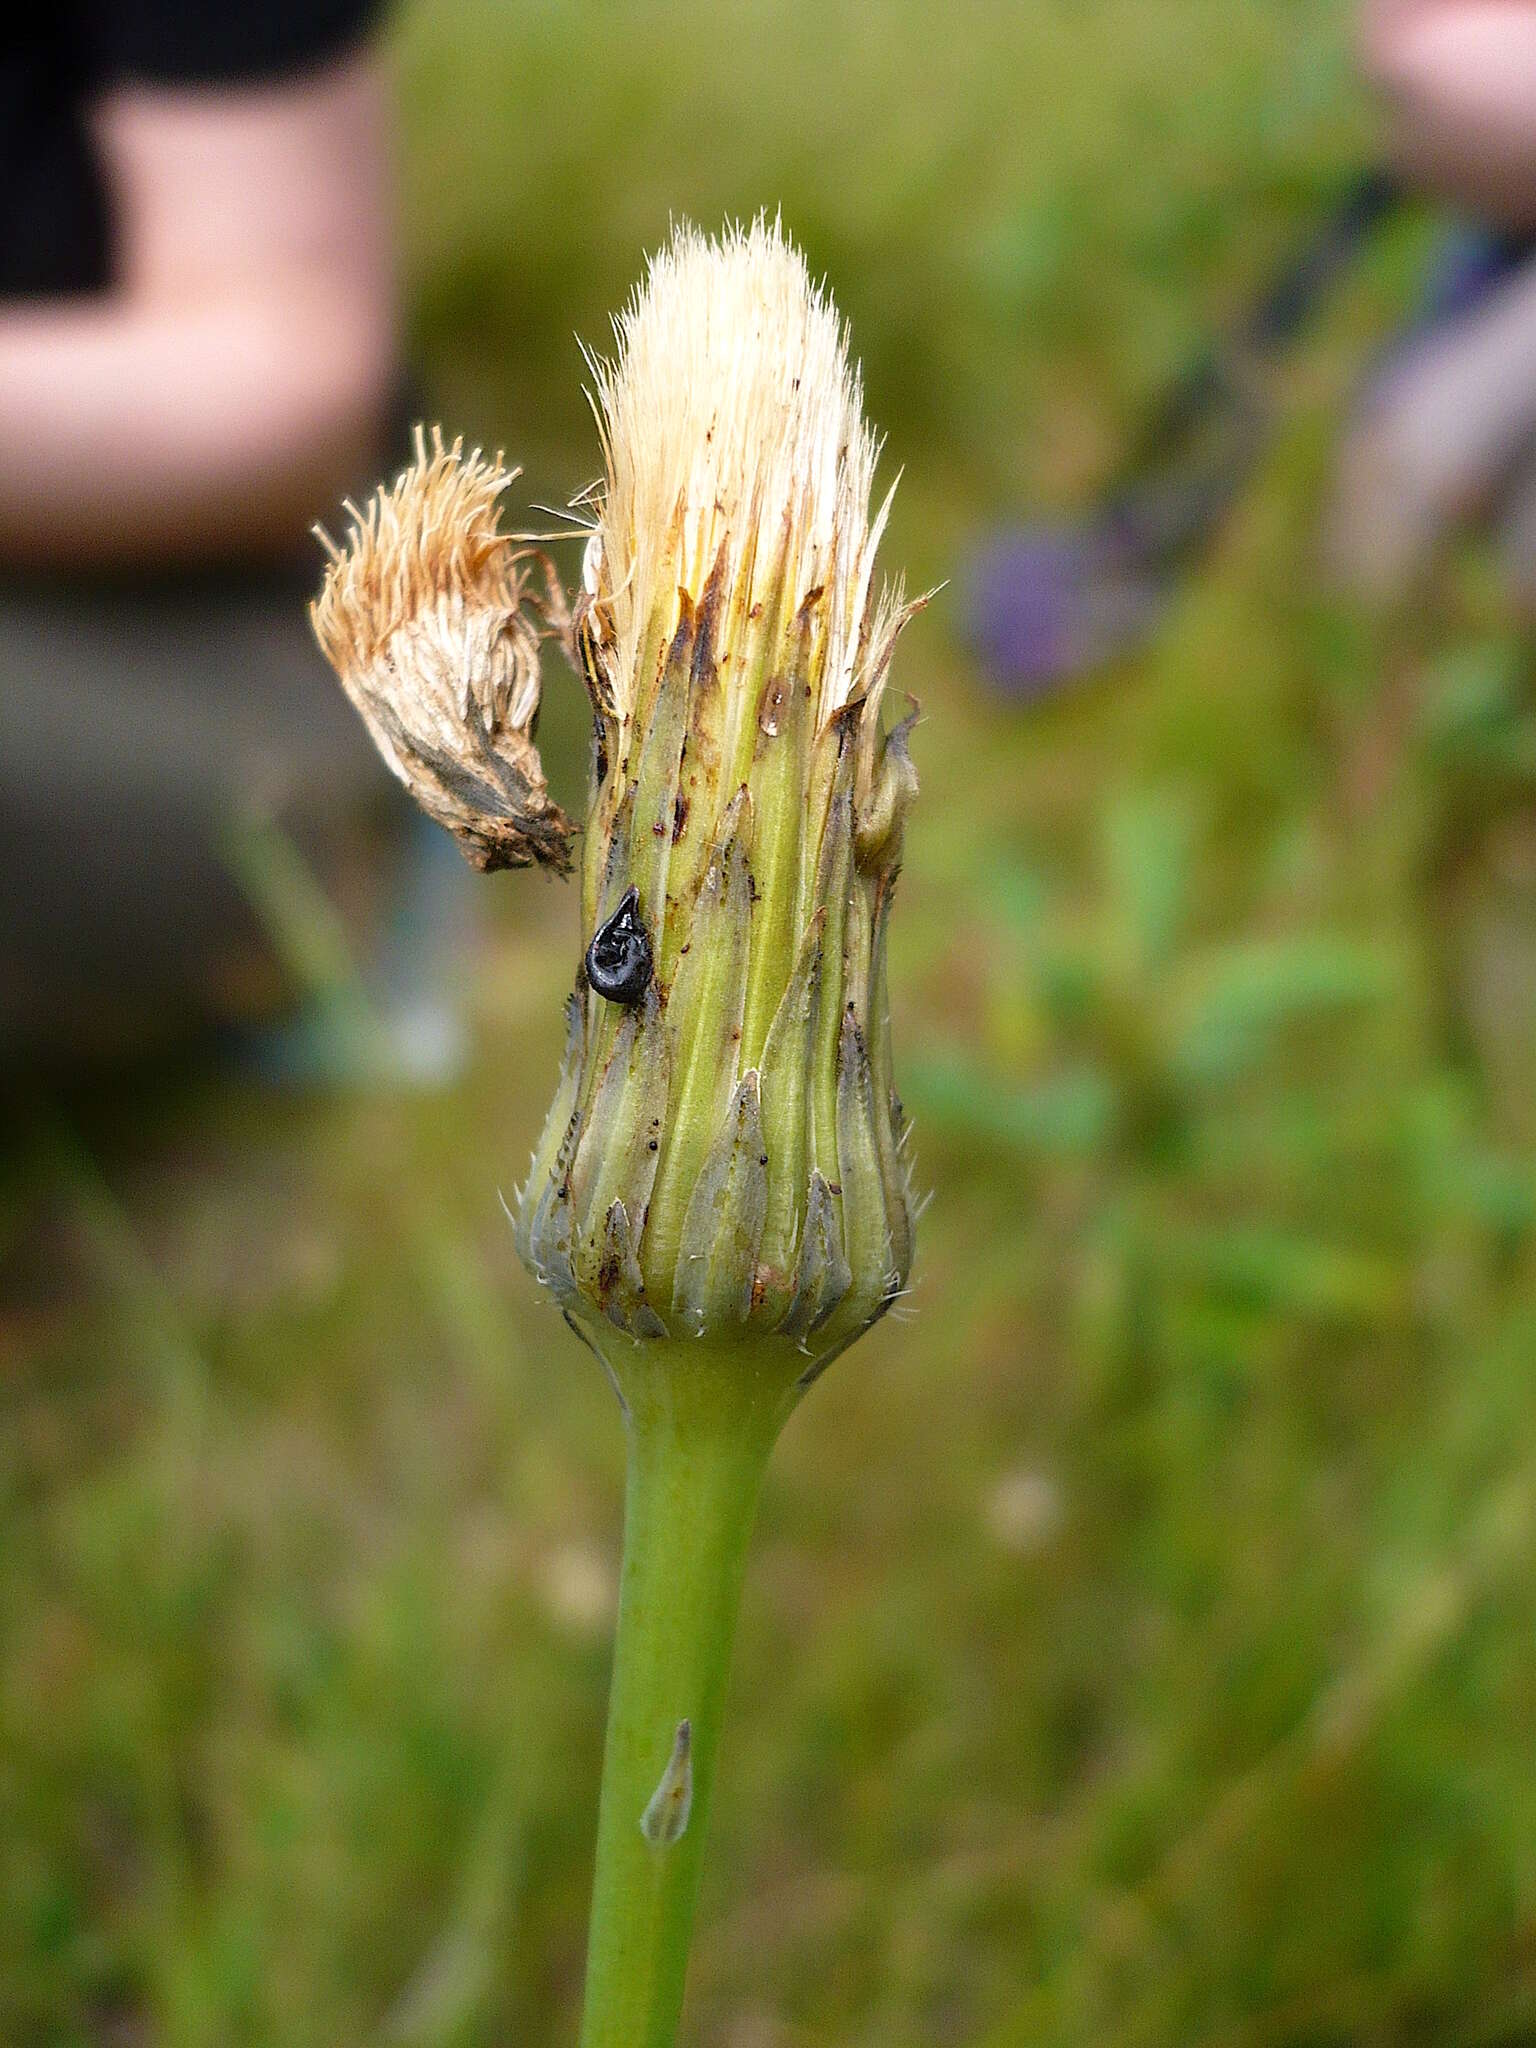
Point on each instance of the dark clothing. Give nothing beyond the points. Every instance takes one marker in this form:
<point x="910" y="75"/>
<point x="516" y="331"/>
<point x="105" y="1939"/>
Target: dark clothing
<point x="139" y="724"/>
<point x="55" y="211"/>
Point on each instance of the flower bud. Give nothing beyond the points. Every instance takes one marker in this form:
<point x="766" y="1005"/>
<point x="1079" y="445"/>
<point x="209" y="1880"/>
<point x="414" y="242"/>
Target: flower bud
<point x="421" y="615"/>
<point x="726" y="1147"/>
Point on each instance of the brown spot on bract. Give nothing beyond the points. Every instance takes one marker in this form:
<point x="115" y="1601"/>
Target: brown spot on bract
<point x="770" y="710"/>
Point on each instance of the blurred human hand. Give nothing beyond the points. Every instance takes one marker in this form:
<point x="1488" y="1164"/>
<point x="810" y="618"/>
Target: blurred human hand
<point x="1459" y="80"/>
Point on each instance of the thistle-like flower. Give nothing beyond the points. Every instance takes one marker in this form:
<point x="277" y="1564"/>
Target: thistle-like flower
<point x="725" y="1151"/>
<point x="724" y="1160"/>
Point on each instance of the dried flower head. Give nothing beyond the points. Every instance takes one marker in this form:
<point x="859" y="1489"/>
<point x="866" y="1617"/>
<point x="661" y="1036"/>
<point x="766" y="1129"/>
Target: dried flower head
<point x="422" y="615"/>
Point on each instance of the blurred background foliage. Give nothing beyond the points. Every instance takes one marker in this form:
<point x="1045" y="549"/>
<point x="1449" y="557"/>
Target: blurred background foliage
<point x="1138" y="1647"/>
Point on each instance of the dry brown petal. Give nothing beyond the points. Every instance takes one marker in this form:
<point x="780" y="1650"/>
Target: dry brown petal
<point x="422" y="615"/>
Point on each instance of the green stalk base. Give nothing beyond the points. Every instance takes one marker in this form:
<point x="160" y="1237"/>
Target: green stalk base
<point x="702" y="1420"/>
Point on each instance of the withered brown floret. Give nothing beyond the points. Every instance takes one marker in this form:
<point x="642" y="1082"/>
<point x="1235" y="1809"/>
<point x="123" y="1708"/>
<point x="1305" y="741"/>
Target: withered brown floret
<point x="425" y="617"/>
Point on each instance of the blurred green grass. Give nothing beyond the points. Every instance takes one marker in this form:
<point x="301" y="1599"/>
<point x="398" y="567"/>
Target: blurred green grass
<point x="1138" y="1648"/>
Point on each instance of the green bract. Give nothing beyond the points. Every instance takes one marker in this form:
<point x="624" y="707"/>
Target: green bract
<point x="726" y="1153"/>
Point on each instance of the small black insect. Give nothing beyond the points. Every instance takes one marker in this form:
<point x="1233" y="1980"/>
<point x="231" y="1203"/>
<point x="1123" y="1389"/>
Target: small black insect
<point x="619" y="957"/>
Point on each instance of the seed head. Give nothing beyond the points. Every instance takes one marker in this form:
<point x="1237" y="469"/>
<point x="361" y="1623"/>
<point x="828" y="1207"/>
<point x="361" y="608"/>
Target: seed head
<point x="726" y="1147"/>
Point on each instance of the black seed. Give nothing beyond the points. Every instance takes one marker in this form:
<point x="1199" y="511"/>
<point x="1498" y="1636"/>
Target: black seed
<point x="619" y="957"/>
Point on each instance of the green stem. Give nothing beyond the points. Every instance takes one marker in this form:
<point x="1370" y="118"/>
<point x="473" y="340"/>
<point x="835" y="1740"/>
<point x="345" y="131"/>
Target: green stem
<point x="701" y="1421"/>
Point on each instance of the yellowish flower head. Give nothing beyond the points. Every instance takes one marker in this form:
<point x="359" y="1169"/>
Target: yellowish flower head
<point x="735" y="443"/>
